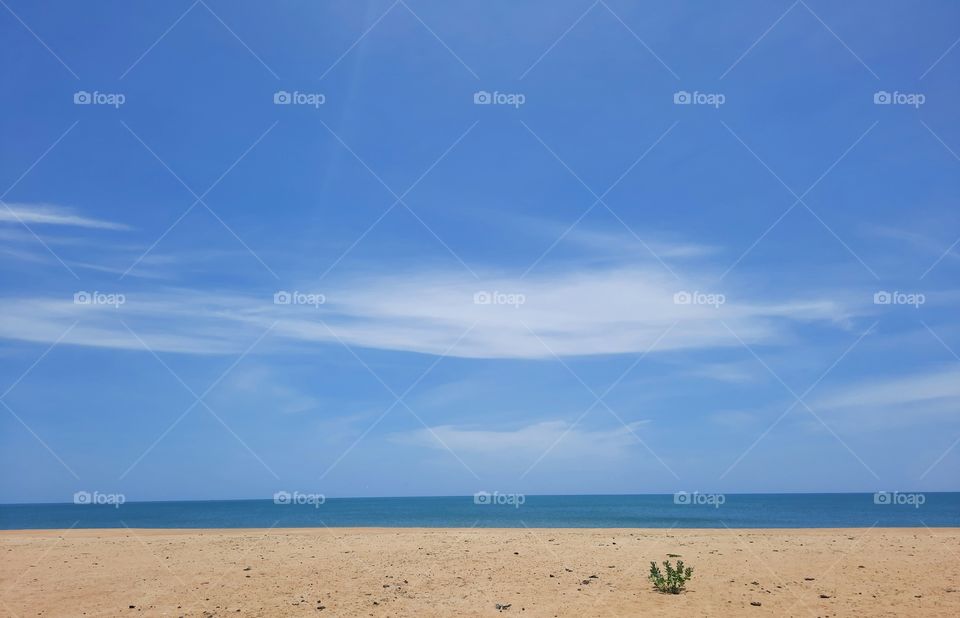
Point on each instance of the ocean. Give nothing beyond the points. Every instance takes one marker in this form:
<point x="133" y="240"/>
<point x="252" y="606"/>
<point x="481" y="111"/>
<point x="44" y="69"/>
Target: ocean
<point x="851" y="510"/>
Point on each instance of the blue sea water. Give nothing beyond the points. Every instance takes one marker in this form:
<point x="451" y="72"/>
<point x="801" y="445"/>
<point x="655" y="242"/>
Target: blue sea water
<point x="621" y="511"/>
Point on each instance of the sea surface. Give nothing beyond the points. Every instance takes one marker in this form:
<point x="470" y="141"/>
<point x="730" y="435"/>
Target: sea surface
<point x="507" y="511"/>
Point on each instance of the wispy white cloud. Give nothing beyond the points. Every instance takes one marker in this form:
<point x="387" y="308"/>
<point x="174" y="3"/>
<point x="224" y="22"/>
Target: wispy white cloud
<point x="577" y="313"/>
<point x="595" y="242"/>
<point x="897" y="391"/>
<point x="623" y="242"/>
<point x="48" y="214"/>
<point x="924" y="243"/>
<point x="83" y="251"/>
<point x="165" y="325"/>
<point x="265" y="389"/>
<point x="600" y="311"/>
<point x="527" y="442"/>
<point x="895" y="400"/>
<point x="733" y="372"/>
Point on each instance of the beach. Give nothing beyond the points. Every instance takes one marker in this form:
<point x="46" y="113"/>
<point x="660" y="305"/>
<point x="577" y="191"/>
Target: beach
<point x="446" y="572"/>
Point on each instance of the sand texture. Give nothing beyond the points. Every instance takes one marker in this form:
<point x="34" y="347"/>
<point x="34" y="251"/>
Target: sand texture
<point x="456" y="572"/>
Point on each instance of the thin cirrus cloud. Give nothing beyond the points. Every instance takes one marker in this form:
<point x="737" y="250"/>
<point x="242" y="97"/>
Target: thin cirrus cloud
<point x="626" y="243"/>
<point x="626" y="305"/>
<point x="532" y="440"/>
<point x="613" y="310"/>
<point x="49" y="214"/>
<point x="599" y="243"/>
<point x="903" y="393"/>
<point x="895" y="402"/>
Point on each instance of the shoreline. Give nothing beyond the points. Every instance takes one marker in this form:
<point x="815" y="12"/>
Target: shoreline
<point x="468" y="571"/>
<point x="313" y="529"/>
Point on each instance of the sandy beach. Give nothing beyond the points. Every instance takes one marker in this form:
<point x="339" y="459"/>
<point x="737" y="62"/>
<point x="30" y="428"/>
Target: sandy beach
<point x="445" y="572"/>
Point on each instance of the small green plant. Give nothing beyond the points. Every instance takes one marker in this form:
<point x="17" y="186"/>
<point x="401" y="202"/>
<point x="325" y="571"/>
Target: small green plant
<point x="674" y="580"/>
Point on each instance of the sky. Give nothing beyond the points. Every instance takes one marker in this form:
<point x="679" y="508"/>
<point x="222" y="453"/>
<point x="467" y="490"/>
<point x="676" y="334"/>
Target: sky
<point x="391" y="248"/>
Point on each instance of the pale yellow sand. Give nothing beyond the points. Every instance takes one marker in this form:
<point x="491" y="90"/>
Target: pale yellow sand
<point x="447" y="572"/>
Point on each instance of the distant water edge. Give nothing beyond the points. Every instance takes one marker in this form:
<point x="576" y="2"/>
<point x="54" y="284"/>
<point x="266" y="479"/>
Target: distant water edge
<point x="502" y="510"/>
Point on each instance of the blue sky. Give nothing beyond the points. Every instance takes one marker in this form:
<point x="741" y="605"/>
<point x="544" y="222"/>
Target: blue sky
<point x="181" y="198"/>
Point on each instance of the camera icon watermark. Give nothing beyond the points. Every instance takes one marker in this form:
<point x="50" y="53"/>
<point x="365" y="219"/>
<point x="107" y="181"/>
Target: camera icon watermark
<point x="284" y="97"/>
<point x="515" y="99"/>
<point x="98" y="499"/>
<point x="914" y="299"/>
<point x="282" y="297"/>
<point x="899" y="499"/>
<point x="698" y="499"/>
<point x="498" y="499"/>
<point x="713" y="99"/>
<point x="296" y="498"/>
<point x="114" y="99"/>
<point x="914" y="99"/>
<point x="99" y="298"/>
<point x="495" y="297"/>
<point x="697" y="297"/>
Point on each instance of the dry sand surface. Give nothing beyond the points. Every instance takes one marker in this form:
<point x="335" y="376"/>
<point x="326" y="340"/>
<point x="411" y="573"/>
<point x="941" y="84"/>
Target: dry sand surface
<point x="451" y="572"/>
